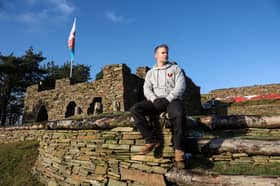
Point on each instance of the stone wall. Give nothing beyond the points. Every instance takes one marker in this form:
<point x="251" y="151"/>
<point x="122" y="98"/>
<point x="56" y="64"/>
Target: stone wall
<point x="80" y="99"/>
<point x="246" y="91"/>
<point x="13" y="136"/>
<point x="111" y="157"/>
<point x="264" y="109"/>
<point x="95" y="157"/>
<point x="77" y="157"/>
<point x="192" y="98"/>
<point x="226" y="105"/>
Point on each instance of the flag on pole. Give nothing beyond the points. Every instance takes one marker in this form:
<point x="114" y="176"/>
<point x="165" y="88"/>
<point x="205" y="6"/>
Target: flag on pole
<point x="71" y="40"/>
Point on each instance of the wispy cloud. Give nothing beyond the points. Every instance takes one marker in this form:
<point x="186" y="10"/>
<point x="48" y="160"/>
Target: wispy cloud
<point x="35" y="12"/>
<point x="112" y="16"/>
<point x="63" y="6"/>
<point x="33" y="17"/>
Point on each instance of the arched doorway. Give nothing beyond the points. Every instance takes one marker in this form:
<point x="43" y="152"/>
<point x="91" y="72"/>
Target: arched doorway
<point x="42" y="114"/>
<point x="70" y="109"/>
<point x="93" y="106"/>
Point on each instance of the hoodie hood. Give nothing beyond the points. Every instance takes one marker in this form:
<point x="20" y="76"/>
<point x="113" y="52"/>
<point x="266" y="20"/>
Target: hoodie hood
<point x="166" y="66"/>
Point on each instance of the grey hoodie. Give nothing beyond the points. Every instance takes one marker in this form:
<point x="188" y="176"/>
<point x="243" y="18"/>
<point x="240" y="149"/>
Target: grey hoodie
<point x="167" y="81"/>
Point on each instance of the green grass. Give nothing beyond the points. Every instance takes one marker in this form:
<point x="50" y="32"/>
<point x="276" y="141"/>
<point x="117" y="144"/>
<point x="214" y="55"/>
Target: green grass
<point x="238" y="168"/>
<point x="16" y="162"/>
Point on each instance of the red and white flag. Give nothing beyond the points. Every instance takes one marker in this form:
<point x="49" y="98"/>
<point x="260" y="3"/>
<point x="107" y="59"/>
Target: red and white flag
<point x="71" y="39"/>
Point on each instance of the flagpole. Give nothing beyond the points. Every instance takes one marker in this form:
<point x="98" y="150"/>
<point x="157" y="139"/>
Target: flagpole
<point x="71" y="63"/>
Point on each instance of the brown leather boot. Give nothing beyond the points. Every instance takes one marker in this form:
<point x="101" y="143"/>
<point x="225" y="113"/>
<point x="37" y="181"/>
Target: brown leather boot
<point x="179" y="159"/>
<point x="149" y="147"/>
<point x="179" y="155"/>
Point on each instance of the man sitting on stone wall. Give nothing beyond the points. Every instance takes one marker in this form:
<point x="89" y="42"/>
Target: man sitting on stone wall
<point x="164" y="87"/>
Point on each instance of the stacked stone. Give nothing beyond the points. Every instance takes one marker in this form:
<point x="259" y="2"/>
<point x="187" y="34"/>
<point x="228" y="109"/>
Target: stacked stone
<point x="264" y="109"/>
<point x="13" y="136"/>
<point x="242" y="157"/>
<point x="110" y="90"/>
<point x="246" y="91"/>
<point x="104" y="157"/>
<point x="225" y="107"/>
<point x="110" y="156"/>
<point x="142" y="71"/>
<point x="248" y="108"/>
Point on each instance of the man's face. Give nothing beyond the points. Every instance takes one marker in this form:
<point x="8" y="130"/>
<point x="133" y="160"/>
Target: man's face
<point x="161" y="55"/>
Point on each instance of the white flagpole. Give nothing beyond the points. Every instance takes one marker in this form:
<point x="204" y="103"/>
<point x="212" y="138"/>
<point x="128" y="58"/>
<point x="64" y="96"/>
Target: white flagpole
<point x="71" y="63"/>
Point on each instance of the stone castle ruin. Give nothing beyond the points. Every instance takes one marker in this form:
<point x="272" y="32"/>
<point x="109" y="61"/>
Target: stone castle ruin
<point x="117" y="91"/>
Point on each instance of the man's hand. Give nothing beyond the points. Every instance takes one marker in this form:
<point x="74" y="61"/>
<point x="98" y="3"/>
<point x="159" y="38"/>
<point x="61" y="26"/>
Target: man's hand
<point x="161" y="104"/>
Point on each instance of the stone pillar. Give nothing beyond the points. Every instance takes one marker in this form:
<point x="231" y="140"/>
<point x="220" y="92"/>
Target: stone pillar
<point x="116" y="106"/>
<point x="97" y="108"/>
<point x="62" y="83"/>
<point x="142" y="71"/>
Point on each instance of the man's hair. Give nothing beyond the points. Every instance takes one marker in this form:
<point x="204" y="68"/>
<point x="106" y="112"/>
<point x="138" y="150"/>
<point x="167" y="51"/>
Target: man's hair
<point x="161" y="46"/>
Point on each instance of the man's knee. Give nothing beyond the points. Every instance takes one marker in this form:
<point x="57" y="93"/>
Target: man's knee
<point x="137" y="108"/>
<point x="176" y="109"/>
<point x="134" y="109"/>
<point x="177" y="114"/>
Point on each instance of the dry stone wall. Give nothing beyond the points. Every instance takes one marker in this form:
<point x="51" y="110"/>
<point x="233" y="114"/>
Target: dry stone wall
<point x="264" y="109"/>
<point x="246" y="91"/>
<point x="111" y="157"/>
<point x="95" y="157"/>
<point x="100" y="157"/>
<point x="80" y="99"/>
<point x="251" y="107"/>
<point x="13" y="136"/>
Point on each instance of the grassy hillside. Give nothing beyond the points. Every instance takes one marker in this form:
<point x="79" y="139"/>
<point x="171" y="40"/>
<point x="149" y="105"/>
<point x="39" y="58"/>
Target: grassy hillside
<point x="16" y="162"/>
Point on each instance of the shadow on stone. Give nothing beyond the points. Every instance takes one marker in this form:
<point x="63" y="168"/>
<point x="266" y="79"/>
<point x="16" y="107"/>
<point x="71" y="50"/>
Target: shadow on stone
<point x="154" y="121"/>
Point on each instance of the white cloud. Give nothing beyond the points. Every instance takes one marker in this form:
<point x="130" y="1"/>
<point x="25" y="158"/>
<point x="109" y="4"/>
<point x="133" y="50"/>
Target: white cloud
<point x="63" y="6"/>
<point x="34" y="11"/>
<point x="33" y="17"/>
<point x="112" y="16"/>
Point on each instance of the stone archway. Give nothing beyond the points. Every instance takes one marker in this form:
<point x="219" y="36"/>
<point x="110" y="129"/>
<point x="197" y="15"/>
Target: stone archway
<point x="42" y="114"/>
<point x="70" y="109"/>
<point x="97" y="101"/>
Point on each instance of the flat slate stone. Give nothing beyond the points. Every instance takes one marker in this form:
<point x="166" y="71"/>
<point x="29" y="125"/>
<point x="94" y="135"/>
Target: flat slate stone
<point x="116" y="183"/>
<point x="141" y="177"/>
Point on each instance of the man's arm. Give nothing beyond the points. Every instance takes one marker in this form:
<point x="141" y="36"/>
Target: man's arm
<point x="148" y="88"/>
<point x="180" y="86"/>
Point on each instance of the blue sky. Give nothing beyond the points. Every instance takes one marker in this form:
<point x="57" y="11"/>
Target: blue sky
<point x="219" y="43"/>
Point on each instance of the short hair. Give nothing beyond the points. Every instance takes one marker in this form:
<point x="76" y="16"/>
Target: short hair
<point x="161" y="46"/>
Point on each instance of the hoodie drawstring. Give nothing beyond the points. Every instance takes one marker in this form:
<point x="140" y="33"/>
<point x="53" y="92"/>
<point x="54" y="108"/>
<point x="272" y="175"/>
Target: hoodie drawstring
<point x="165" y="81"/>
<point x="157" y="78"/>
